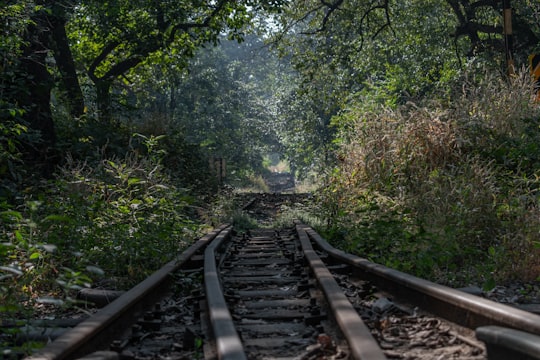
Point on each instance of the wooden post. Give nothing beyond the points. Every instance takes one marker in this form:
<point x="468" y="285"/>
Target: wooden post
<point x="218" y="166"/>
<point x="508" y="40"/>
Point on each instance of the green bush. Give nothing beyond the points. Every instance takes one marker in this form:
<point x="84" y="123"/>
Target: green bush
<point x="32" y="269"/>
<point x="442" y="189"/>
<point x="120" y="219"/>
<point x="130" y="216"/>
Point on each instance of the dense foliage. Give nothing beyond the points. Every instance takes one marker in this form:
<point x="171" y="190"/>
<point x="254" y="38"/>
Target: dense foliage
<point x="113" y="114"/>
<point x="433" y="167"/>
<point x="446" y="191"/>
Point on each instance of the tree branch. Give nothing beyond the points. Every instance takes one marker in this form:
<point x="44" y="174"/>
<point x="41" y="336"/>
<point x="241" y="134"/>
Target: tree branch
<point x="104" y="53"/>
<point x="191" y="25"/>
<point x="331" y="8"/>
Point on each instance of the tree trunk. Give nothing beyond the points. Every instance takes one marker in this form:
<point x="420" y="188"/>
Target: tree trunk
<point x="35" y="96"/>
<point x="103" y="100"/>
<point x="66" y="66"/>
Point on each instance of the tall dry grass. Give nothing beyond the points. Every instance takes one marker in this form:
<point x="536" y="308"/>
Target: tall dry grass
<point x="463" y="171"/>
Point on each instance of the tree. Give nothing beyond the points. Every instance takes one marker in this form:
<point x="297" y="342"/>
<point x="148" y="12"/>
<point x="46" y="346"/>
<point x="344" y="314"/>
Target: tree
<point x="117" y="36"/>
<point x="14" y="18"/>
<point x="109" y="40"/>
<point x="27" y="83"/>
<point x="225" y="103"/>
<point x="57" y="18"/>
<point x="481" y="23"/>
<point x="343" y="48"/>
<point x="350" y="50"/>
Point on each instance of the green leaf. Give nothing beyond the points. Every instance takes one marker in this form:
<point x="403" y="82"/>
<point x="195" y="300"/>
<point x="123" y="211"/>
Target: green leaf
<point x="35" y="255"/>
<point x="489" y="284"/>
<point x="11" y="215"/>
<point x="133" y="181"/>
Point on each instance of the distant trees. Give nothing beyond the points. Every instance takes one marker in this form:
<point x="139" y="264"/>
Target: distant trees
<point x="70" y="41"/>
<point x="114" y="38"/>
<point x="223" y="103"/>
<point x="84" y="62"/>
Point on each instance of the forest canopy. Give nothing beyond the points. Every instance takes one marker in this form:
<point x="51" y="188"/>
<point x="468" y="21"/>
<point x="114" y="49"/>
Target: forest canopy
<point x="69" y="65"/>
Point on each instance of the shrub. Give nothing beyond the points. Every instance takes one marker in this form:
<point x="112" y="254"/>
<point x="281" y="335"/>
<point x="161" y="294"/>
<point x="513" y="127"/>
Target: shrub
<point x="447" y="181"/>
<point x="130" y="216"/>
<point x="33" y="270"/>
<point x="122" y="218"/>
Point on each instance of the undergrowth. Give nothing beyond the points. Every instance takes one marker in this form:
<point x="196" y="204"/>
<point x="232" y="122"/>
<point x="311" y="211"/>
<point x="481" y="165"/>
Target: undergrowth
<point x="443" y="189"/>
<point x="118" y="218"/>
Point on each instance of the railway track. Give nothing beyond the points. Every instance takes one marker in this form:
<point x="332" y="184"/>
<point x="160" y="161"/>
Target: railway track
<point x="287" y="294"/>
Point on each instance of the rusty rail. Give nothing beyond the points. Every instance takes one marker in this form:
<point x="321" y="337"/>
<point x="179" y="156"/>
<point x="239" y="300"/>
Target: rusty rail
<point x="228" y="343"/>
<point x="358" y="335"/>
<point x="508" y="333"/>
<point x="489" y="318"/>
<point x="95" y="332"/>
<point x="465" y="309"/>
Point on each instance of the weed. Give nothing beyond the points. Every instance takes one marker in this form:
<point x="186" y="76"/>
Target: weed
<point x="242" y="222"/>
<point x="442" y="190"/>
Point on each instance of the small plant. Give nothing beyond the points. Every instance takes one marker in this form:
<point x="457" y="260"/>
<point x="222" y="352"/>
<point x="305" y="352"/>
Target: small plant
<point x="199" y="347"/>
<point x="243" y="222"/>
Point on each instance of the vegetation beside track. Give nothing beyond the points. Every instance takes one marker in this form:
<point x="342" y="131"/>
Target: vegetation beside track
<point x="117" y="219"/>
<point x="428" y="159"/>
<point x="447" y="189"/>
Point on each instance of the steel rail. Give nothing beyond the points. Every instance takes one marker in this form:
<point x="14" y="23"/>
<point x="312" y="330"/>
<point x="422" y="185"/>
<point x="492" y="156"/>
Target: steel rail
<point x="459" y="307"/>
<point x="96" y="332"/>
<point x="228" y="343"/>
<point x="361" y="343"/>
<point x="503" y="343"/>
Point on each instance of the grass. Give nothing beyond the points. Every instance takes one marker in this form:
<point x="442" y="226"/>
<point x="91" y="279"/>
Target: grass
<point x="446" y="190"/>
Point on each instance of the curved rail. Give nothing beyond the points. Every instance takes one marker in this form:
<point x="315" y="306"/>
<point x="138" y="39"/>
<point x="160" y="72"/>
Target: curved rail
<point x="228" y="343"/>
<point x="229" y="346"/>
<point x="96" y="332"/>
<point x="462" y="308"/>
<point x="465" y="309"/>
<point x="358" y="335"/>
